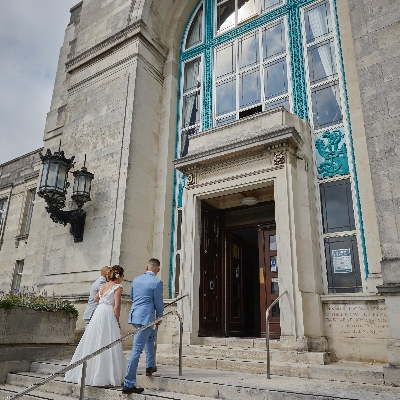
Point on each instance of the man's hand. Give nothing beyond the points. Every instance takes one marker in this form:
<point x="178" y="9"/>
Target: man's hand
<point x="158" y="323"/>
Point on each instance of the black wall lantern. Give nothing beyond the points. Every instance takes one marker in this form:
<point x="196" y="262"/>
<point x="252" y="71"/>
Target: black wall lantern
<point x="53" y="189"/>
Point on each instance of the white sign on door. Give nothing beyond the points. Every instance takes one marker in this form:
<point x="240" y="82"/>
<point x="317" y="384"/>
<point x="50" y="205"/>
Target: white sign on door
<point x="341" y="260"/>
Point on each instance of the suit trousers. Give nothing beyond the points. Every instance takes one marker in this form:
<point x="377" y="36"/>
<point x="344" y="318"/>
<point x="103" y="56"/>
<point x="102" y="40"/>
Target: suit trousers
<point x="145" y="338"/>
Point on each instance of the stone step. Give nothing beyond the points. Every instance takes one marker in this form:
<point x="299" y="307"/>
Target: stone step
<point x="225" y="352"/>
<point x="258" y="343"/>
<point x="20" y="381"/>
<point x="201" y="384"/>
<point x="353" y="372"/>
<point x="9" y="390"/>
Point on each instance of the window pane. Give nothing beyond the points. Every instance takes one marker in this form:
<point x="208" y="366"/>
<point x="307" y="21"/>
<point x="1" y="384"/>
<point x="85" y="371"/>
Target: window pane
<point x="343" y="265"/>
<point x="277" y="103"/>
<point x="226" y="16"/>
<point x="274" y="42"/>
<point x="246" y="9"/>
<point x="225" y="62"/>
<point x="337" y="206"/>
<point x="268" y="4"/>
<point x="276" y="311"/>
<point x="275" y="79"/>
<point x="322" y="62"/>
<point x="318" y="22"/>
<point x="31" y="199"/>
<point x="191" y="109"/>
<point x="225" y="120"/>
<point x="177" y="273"/>
<point x="274" y="286"/>
<point x="249" y="50"/>
<point x="226" y="96"/>
<point x="17" y="275"/>
<point x="192" y="75"/>
<point x="179" y="230"/>
<point x="249" y="89"/>
<point x="326" y="105"/>
<point x="195" y="34"/>
<point x="185" y="139"/>
<point x="3" y="206"/>
<point x="272" y="243"/>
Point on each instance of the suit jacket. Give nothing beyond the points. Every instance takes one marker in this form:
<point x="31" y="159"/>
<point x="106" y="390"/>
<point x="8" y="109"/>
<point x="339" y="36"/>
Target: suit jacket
<point x="147" y="297"/>
<point x="92" y="305"/>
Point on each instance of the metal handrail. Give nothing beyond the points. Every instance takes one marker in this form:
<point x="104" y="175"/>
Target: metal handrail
<point x="155" y="341"/>
<point x="97" y="352"/>
<point x="267" y="333"/>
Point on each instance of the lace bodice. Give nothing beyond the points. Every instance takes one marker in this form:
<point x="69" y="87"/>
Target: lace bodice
<point x="108" y="296"/>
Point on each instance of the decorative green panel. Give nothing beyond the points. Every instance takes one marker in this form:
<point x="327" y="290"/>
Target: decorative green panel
<point x="331" y="153"/>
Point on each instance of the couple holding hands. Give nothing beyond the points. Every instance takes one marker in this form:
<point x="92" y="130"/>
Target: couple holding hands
<point x="102" y="328"/>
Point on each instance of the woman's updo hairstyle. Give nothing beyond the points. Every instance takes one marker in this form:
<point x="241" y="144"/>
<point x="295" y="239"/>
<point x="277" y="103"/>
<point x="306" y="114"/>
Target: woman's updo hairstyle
<point x="115" y="272"/>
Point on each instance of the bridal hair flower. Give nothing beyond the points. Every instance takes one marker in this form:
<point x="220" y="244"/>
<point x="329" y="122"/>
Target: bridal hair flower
<point x="116" y="275"/>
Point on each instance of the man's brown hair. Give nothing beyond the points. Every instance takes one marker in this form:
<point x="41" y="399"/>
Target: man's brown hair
<point x="154" y="263"/>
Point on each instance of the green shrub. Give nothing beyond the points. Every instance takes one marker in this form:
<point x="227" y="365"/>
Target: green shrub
<point x="36" y="302"/>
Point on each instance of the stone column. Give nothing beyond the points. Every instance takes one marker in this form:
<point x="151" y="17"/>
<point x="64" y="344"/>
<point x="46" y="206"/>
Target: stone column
<point x="298" y="255"/>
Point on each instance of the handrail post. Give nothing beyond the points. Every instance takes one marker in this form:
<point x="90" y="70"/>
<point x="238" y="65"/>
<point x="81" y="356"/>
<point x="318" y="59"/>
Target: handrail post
<point x="267" y="333"/>
<point x="267" y="342"/>
<point x="155" y="346"/>
<point x="83" y="378"/>
<point x="180" y="342"/>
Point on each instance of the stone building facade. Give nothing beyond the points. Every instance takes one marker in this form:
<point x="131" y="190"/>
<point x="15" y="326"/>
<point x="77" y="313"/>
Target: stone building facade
<point x="250" y="145"/>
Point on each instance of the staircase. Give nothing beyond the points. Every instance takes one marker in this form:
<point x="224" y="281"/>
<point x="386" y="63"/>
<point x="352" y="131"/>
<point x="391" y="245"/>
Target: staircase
<point x="198" y="384"/>
<point x="245" y="355"/>
<point x="230" y="369"/>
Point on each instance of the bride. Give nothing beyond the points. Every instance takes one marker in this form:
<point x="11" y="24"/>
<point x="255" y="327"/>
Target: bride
<point x="107" y="368"/>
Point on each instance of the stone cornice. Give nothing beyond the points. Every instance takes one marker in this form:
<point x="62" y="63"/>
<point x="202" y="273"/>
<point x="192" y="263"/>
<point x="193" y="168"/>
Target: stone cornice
<point x="114" y="42"/>
<point x="389" y="289"/>
<point x="267" y="138"/>
<point x="350" y="297"/>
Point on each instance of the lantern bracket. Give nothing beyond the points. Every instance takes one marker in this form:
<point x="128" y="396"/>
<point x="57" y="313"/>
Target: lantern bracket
<point x="76" y="218"/>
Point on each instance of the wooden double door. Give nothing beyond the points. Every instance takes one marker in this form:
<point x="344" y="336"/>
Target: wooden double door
<point x="238" y="279"/>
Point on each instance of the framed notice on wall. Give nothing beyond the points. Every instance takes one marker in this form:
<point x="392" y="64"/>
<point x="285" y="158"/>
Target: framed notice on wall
<point x="341" y="260"/>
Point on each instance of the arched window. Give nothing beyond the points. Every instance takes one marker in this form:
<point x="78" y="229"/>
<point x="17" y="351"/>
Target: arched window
<point x="242" y="57"/>
<point x="195" y="32"/>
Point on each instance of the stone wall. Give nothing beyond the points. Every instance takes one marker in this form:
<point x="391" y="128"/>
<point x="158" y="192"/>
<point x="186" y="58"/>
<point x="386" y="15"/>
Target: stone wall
<point x="25" y="337"/>
<point x="376" y="32"/>
<point x="356" y="327"/>
<point x="17" y="177"/>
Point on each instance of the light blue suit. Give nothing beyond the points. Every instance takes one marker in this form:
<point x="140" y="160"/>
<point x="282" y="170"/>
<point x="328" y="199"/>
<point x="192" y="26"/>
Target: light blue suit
<point x="147" y="297"/>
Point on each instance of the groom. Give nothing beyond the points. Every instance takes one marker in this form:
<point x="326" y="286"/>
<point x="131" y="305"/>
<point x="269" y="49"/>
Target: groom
<point x="146" y="296"/>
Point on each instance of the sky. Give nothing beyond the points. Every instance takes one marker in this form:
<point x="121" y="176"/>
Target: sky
<point x="31" y="35"/>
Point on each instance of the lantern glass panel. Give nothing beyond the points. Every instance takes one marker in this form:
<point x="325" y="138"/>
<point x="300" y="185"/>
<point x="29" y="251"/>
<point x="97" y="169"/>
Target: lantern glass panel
<point x="62" y="172"/>
<point x="76" y="181"/>
<point x="52" y="175"/>
<point x="82" y="181"/>
<point x="88" y="183"/>
<point x="44" y="174"/>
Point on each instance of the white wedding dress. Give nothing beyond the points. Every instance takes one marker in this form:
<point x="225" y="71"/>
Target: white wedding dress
<point x="109" y="367"/>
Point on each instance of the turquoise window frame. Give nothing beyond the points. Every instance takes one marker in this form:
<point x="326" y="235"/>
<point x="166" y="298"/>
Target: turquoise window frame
<point x="290" y="10"/>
